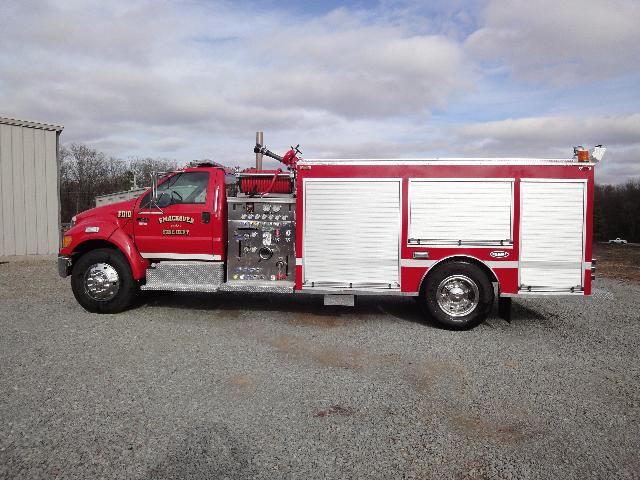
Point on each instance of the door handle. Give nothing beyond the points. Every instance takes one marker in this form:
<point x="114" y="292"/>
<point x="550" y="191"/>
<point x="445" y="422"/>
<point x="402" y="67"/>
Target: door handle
<point x="206" y="217"/>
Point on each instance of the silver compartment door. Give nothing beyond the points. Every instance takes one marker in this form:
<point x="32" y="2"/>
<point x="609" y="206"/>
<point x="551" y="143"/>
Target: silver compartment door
<point x="351" y="233"/>
<point x="551" y="235"/>
<point x="466" y="210"/>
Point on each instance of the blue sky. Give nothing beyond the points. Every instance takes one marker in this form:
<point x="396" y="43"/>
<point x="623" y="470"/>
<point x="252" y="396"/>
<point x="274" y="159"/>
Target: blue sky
<point x="390" y="78"/>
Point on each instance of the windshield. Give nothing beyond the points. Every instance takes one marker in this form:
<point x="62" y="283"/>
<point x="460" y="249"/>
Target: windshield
<point x="182" y="188"/>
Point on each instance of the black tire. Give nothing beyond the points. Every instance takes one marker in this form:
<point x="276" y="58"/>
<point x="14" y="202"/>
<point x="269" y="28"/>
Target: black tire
<point x="463" y="275"/>
<point x="117" y="301"/>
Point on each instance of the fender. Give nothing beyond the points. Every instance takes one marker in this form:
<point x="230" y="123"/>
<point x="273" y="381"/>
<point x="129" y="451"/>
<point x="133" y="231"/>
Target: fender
<point x="99" y="230"/>
<point x="125" y="243"/>
<point x="111" y="233"/>
<point x="502" y="271"/>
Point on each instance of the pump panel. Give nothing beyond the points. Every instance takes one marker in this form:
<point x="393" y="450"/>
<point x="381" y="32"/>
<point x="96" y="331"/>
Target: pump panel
<point x="261" y="239"/>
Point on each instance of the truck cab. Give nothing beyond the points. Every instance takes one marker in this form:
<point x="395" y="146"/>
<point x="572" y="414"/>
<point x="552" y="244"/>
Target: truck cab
<point x="108" y="250"/>
<point x="185" y="220"/>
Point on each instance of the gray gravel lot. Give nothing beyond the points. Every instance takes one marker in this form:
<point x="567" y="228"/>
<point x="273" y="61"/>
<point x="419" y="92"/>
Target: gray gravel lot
<point x="234" y="386"/>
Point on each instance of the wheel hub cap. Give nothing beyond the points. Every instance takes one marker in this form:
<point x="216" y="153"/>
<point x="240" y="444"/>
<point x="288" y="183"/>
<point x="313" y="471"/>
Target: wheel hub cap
<point x="458" y="295"/>
<point x="101" y="282"/>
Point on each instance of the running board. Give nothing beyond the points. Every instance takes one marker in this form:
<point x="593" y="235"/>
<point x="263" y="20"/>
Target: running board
<point x="185" y="276"/>
<point x="258" y="286"/>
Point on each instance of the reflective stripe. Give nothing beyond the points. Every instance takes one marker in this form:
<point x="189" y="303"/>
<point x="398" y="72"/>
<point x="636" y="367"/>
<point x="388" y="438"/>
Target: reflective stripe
<point x="182" y="256"/>
<point x="417" y="263"/>
<point x="511" y="264"/>
<point x="552" y="264"/>
<point x="298" y="261"/>
<point x="431" y="263"/>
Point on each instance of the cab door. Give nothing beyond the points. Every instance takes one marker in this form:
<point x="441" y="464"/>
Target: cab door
<point x="179" y="225"/>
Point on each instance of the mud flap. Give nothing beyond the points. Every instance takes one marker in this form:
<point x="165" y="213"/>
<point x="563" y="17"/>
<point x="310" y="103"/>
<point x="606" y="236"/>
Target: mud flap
<point x="504" y="308"/>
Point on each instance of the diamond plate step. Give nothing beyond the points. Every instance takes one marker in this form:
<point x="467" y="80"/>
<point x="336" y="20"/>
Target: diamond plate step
<point x="185" y="276"/>
<point x="258" y="286"/>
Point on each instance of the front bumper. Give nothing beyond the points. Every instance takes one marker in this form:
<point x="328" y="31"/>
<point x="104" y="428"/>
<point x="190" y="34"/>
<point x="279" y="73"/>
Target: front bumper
<point x="64" y="265"/>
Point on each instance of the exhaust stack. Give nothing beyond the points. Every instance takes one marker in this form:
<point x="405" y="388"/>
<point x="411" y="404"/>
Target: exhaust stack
<point x="259" y="141"/>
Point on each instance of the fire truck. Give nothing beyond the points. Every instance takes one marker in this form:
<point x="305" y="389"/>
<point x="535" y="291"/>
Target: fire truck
<point x="455" y="233"/>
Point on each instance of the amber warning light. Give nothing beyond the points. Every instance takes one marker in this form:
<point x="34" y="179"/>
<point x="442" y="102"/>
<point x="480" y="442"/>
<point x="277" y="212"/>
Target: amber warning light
<point x="581" y="153"/>
<point x="593" y="155"/>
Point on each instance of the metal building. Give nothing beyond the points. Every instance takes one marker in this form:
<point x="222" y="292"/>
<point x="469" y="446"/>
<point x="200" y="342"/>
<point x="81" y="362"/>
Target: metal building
<point x="29" y="188"/>
<point x="119" y="196"/>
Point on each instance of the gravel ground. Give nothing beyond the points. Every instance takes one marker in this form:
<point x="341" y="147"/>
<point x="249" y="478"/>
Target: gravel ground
<point x="231" y="386"/>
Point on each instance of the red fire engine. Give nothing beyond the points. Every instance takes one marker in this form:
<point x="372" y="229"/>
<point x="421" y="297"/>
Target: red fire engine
<point x="452" y="232"/>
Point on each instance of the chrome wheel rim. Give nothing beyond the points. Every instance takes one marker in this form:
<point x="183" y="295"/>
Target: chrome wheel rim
<point x="101" y="282"/>
<point x="458" y="295"/>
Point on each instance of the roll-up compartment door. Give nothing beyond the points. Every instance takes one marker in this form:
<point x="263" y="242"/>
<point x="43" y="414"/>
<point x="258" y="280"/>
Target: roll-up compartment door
<point x="551" y="235"/>
<point x="461" y="212"/>
<point x="351" y="233"/>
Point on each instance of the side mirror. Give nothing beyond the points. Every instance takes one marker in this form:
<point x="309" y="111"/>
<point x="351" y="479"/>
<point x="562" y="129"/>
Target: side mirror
<point x="164" y="200"/>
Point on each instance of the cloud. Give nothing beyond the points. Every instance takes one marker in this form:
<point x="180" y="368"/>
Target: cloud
<point x="170" y="144"/>
<point x="144" y="65"/>
<point x="555" y="137"/>
<point x="397" y="78"/>
<point x="359" y="72"/>
<point x="560" y="42"/>
<point x="533" y="132"/>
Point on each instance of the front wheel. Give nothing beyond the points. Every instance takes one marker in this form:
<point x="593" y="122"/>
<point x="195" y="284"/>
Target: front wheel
<point x="101" y="281"/>
<point x="458" y="295"/>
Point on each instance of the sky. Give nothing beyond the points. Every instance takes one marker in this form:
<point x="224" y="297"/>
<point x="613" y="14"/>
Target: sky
<point x="360" y="79"/>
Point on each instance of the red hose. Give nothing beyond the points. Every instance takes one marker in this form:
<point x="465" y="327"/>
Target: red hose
<point x="273" y="181"/>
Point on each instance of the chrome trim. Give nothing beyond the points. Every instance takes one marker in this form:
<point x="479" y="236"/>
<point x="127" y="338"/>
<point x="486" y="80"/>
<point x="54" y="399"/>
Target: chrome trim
<point x="258" y="286"/>
<point x="505" y="264"/>
<point x="182" y="256"/>
<point x="354" y="291"/>
<point x="101" y="282"/>
<point x="405" y="262"/>
<point x="445" y="161"/>
<point x="543" y="293"/>
<point x="64" y="265"/>
<point x="457" y="295"/>
<point x="431" y="263"/>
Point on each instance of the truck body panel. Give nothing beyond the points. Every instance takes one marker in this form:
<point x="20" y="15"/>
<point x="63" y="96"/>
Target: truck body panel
<point x="557" y="192"/>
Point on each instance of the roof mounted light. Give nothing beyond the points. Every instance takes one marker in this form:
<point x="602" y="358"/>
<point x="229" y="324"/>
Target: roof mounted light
<point x="597" y="153"/>
<point x="594" y="155"/>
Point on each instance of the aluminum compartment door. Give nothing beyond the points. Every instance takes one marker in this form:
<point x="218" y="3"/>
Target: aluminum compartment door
<point x="352" y="233"/>
<point x="551" y="235"/>
<point x="452" y="211"/>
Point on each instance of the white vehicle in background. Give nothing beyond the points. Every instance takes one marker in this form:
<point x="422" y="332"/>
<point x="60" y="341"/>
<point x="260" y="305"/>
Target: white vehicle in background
<point x="618" y="241"/>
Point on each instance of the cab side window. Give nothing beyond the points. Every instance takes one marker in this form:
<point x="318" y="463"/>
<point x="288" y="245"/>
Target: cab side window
<point x="182" y="188"/>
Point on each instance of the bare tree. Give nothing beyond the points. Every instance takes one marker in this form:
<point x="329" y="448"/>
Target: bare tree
<point x="617" y="211"/>
<point x="86" y="173"/>
<point x="143" y="168"/>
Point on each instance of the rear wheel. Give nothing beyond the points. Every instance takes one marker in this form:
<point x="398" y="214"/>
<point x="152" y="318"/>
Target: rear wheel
<point x="458" y="295"/>
<point x="101" y="281"/>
